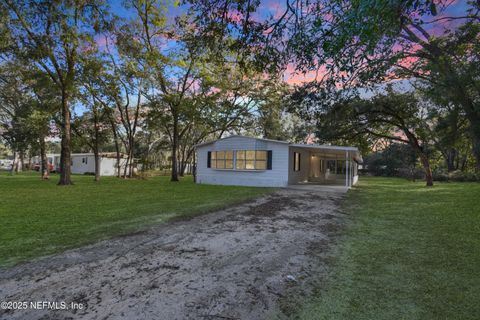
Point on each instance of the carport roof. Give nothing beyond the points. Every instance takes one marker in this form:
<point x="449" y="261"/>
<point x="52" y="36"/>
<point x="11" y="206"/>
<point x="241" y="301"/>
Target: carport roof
<point x="324" y="147"/>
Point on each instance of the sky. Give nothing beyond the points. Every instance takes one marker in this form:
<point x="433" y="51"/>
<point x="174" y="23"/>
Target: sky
<point x="274" y="8"/>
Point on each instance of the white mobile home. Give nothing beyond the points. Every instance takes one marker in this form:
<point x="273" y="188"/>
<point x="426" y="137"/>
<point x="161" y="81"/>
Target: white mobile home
<point x="239" y="160"/>
<point x="83" y="163"/>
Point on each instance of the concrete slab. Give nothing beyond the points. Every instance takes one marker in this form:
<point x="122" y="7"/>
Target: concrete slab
<point x="318" y="188"/>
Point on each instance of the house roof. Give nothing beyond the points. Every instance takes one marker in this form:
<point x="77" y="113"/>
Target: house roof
<point x="239" y="136"/>
<point x="299" y="145"/>
<point x="101" y="154"/>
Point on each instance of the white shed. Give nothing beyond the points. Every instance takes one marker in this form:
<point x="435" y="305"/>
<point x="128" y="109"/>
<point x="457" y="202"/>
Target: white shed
<point x="246" y="161"/>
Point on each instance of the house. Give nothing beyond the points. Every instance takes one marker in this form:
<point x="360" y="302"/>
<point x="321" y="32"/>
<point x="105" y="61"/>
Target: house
<point x="84" y="163"/>
<point x="246" y="161"/>
<point x="53" y="162"/>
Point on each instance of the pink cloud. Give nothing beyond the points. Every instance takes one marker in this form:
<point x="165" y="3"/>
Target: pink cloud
<point x="293" y="77"/>
<point x="235" y="16"/>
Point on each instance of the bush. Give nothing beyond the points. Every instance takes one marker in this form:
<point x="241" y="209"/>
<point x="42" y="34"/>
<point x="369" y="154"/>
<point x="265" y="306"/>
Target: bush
<point x="463" y="176"/>
<point x="440" y="176"/>
<point x="411" y="173"/>
<point x="457" y="176"/>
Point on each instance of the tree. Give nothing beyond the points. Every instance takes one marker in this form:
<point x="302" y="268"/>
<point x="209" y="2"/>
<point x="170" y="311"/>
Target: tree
<point x="92" y="128"/>
<point x="51" y="36"/>
<point x="15" y="106"/>
<point x="393" y="160"/>
<point x="271" y="109"/>
<point x="183" y="78"/>
<point x="358" y="43"/>
<point x="392" y="116"/>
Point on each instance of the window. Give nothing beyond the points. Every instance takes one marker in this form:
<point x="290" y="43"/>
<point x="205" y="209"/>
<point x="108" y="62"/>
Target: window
<point x="222" y="159"/>
<point x="331" y="166"/>
<point x="85" y="160"/>
<point x="341" y="167"/>
<point x="296" y="161"/>
<point x="251" y="160"/>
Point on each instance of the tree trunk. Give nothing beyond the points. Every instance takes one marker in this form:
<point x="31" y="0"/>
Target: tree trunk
<point x="97" y="165"/>
<point x="130" y="156"/>
<point x="43" y="155"/>
<point x="20" y="165"/>
<point x="476" y="145"/>
<point x="194" y="169"/>
<point x="95" y="144"/>
<point x="66" y="153"/>
<point x="426" y="167"/>
<point x="14" y="163"/>
<point x="117" y="147"/>
<point x="451" y="156"/>
<point x="423" y="157"/>
<point x="174" y="176"/>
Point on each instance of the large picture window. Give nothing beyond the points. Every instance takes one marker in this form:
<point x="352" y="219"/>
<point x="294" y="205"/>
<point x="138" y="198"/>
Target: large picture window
<point x="251" y="160"/>
<point x="222" y="159"/>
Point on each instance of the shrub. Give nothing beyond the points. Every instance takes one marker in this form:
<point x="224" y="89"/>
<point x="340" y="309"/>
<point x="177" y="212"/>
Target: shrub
<point x="457" y="176"/>
<point x="411" y="173"/>
<point x="463" y="176"/>
<point x="440" y="176"/>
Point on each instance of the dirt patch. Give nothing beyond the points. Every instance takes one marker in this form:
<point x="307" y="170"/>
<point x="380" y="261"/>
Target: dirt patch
<point x="272" y="207"/>
<point x="238" y="263"/>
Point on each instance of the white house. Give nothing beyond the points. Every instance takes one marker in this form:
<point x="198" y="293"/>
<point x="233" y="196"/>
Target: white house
<point x="85" y="163"/>
<point x="239" y="160"/>
<point x="82" y="163"/>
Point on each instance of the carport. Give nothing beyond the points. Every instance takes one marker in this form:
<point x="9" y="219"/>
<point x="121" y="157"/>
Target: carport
<point x="323" y="165"/>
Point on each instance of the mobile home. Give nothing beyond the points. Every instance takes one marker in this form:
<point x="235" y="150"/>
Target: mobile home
<point x="246" y="161"/>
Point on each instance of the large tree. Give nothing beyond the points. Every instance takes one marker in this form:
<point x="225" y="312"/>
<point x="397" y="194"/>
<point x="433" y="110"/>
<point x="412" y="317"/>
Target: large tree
<point x="51" y="35"/>
<point x="392" y="116"/>
<point x="361" y="42"/>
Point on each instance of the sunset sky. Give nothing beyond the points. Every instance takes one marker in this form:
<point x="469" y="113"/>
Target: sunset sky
<point x="272" y="8"/>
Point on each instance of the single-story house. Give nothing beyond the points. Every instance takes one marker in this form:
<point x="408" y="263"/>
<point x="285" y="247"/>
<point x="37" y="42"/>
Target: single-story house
<point x="52" y="158"/>
<point x="246" y="161"/>
<point x="82" y="163"/>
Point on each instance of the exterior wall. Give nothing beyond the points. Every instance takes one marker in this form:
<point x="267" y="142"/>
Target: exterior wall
<point x="302" y="175"/>
<point x="277" y="177"/>
<point x="107" y="165"/>
<point x="80" y="167"/>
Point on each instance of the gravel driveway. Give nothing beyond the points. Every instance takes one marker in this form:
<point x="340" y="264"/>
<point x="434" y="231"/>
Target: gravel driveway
<point x="244" y="262"/>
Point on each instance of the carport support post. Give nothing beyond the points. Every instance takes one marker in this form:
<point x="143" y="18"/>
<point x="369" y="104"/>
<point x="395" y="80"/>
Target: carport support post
<point x="346" y="168"/>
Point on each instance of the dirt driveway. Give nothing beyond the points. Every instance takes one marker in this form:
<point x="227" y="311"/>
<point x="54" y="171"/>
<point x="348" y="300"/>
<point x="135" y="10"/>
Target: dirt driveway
<point x="245" y="262"/>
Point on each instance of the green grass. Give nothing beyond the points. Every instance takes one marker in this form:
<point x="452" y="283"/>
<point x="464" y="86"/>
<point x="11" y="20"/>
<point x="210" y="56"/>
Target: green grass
<point x="409" y="252"/>
<point x="38" y="217"/>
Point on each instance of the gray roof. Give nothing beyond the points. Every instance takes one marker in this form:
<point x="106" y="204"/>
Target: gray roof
<point x="239" y="136"/>
<point x="299" y="145"/>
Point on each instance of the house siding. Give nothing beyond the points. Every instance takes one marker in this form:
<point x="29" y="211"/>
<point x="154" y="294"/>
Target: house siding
<point x="107" y="165"/>
<point x="276" y="177"/>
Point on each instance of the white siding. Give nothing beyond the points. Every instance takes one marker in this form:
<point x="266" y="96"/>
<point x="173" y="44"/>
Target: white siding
<point x="81" y="167"/>
<point x="277" y="177"/>
<point x="107" y="165"/>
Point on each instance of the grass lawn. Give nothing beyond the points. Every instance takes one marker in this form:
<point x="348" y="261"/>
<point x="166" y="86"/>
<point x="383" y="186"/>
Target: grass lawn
<point x="409" y="252"/>
<point x="39" y="218"/>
